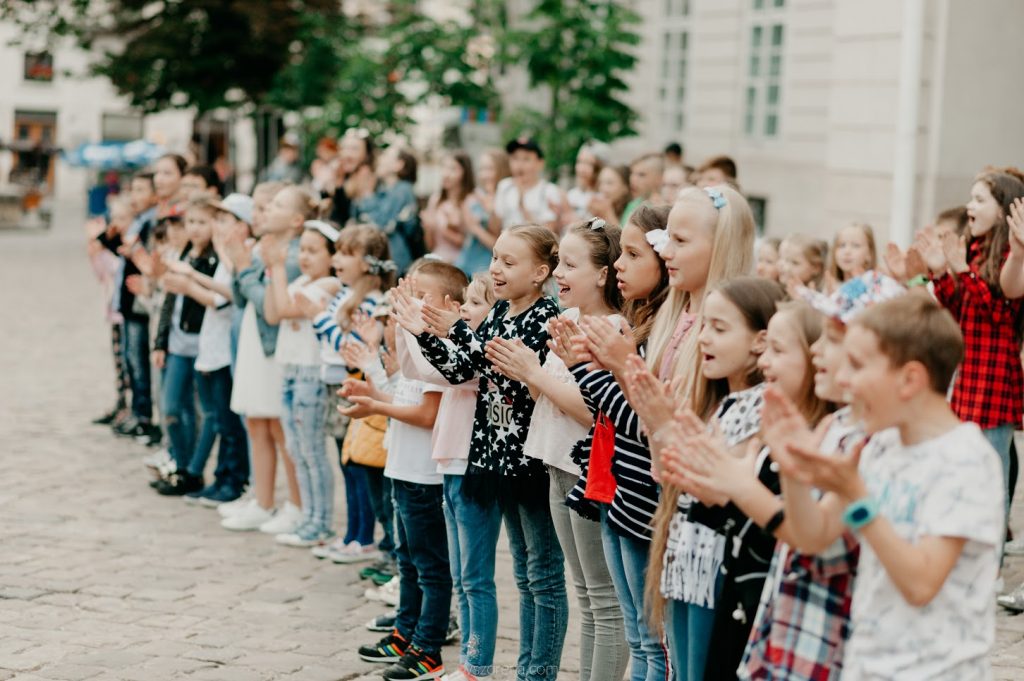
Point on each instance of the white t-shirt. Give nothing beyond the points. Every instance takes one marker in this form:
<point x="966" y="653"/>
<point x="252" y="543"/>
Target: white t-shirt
<point x="538" y="200"/>
<point x="579" y="201"/>
<point x="950" y="486"/>
<point x="409" y="447"/>
<point x="296" y="340"/>
<point x="553" y="433"/>
<point x="215" y="333"/>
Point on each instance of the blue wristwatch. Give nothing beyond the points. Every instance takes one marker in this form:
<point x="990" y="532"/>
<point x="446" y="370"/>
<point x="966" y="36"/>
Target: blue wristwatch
<point x="860" y="513"/>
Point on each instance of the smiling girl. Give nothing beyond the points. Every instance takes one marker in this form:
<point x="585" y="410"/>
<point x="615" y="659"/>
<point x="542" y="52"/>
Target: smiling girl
<point x="853" y="253"/>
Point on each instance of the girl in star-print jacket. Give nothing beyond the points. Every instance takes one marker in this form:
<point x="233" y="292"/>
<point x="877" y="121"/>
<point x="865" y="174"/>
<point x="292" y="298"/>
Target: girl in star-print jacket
<point x="498" y="471"/>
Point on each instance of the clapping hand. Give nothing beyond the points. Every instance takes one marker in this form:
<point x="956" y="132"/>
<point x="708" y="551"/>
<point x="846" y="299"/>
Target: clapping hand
<point x="367" y="328"/>
<point x="562" y="333"/>
<point x="1015" y="220"/>
<point x="649" y="397"/>
<point x="512" y="359"/>
<point x="405" y="309"/>
<point x="609" y="346"/>
<point x="928" y="245"/>
<point x="439" y="320"/>
<point x="954" y="249"/>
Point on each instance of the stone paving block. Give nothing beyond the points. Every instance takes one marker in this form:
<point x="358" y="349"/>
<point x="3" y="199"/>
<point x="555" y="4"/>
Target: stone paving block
<point x="69" y="672"/>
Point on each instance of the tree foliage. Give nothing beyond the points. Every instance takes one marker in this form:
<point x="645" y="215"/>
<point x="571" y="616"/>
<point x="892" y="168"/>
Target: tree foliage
<point x="578" y="52"/>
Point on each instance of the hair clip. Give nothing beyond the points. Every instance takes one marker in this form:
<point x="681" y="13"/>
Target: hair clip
<point x="716" y="197"/>
<point x="329" y="233"/>
<point x="596" y="224"/>
<point x="378" y="266"/>
<point x="658" y="239"/>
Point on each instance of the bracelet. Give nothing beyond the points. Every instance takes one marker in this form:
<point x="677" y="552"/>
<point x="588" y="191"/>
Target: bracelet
<point x="773" y="523"/>
<point x="861" y="512"/>
<point x="919" y="280"/>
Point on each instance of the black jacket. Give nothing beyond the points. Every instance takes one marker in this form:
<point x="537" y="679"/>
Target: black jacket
<point x="191" y="311"/>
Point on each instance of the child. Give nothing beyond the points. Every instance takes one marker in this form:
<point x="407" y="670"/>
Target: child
<point x="767" y="263"/>
<point x="447" y="215"/>
<point x="498" y="472"/>
<point x="929" y="512"/>
<point x="361" y="263"/>
<point x="491" y="168"/>
<point x="612" y="195"/>
<point x="626" y="522"/>
<point x="526" y="197"/>
<point x="201" y="181"/>
<point x="390" y="204"/>
<point x="690" y="561"/>
<point x="715" y="171"/>
<point x="257" y="389"/>
<point x="414" y="647"/>
<point x="989" y="388"/>
<point x="802" y="262"/>
<point x="560" y="419"/>
<point x="177" y="345"/>
<point x="673" y="181"/>
<point x="853" y="253"/>
<point x="589" y="160"/>
<point x="644" y="181"/>
<point x="304" y="396"/>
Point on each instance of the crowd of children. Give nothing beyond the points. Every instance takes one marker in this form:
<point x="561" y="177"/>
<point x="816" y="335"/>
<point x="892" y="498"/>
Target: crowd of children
<point x="740" y="453"/>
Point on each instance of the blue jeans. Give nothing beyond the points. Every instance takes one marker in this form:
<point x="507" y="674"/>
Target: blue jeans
<point x="627" y="562"/>
<point x="304" y="406"/>
<point x="539" y="569"/>
<point x="472" y="542"/>
<point x="1000" y="438"/>
<point x="383" y="508"/>
<point x="135" y="345"/>
<point x="689" y="634"/>
<point x="425" y="586"/>
<point x="359" y="511"/>
<point x="180" y="407"/>
<point x="232" y="470"/>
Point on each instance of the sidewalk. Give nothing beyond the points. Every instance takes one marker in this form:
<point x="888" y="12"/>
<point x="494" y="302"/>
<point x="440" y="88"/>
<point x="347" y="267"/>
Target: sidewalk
<point x="101" y="579"/>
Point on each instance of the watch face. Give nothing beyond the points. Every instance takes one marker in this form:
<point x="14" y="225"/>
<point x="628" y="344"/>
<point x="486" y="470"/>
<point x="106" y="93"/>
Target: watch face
<point x="859" y="514"/>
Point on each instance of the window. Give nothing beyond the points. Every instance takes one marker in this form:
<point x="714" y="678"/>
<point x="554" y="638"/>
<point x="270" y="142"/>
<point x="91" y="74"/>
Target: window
<point x="764" y="68"/>
<point x="674" y="66"/>
<point x="759" y="208"/>
<point x="38" y="67"/>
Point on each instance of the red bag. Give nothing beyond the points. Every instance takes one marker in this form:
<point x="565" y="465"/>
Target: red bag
<point x="600" y="483"/>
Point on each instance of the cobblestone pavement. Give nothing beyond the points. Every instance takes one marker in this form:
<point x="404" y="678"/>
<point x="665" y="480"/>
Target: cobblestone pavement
<point x="101" y="579"/>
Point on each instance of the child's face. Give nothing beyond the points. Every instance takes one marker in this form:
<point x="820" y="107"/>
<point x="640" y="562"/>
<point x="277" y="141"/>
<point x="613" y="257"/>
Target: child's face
<point x="852" y="252"/>
<point x="767" y="262"/>
<point x="166" y="178"/>
<point x="192" y="186"/>
<point x="141" y="195"/>
<point x="349" y="266"/>
<point x="827" y="356"/>
<point x="314" y="258"/>
<point x="389" y="163"/>
<point x="872" y="382"/>
<point x="638" y="268"/>
<point x="672" y="182"/>
<point x="729" y="347"/>
<point x="793" y="263"/>
<point x="584" y="169"/>
<point x="514" y="268"/>
<point x="261" y="198"/>
<point x="983" y="212"/>
<point x="451" y="174"/>
<point x="687" y="254"/>
<point x="580" y="282"/>
<point x="644" y="179"/>
<point x="121" y="217"/>
<point x="611" y="186"/>
<point x="476" y="307"/>
<point x="177" y="237"/>
<point x="525" y="165"/>
<point x="199" y="226"/>
<point x="428" y="288"/>
<point x="784" y="361"/>
<point x="712" y="177"/>
<point x="351" y="153"/>
<point x="486" y="171"/>
<point x="280" y="215"/>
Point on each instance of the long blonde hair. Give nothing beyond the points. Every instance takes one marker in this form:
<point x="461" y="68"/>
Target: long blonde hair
<point x="732" y="255"/>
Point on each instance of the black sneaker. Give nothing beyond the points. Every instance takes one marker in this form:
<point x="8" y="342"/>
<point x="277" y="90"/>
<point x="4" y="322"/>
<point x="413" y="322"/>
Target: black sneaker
<point x="414" y="665"/>
<point x="389" y="649"/>
<point x="129" y="427"/>
<point x="179" y="484"/>
<point x="382" y="622"/>
<point x="149" y="434"/>
<point x="108" y="418"/>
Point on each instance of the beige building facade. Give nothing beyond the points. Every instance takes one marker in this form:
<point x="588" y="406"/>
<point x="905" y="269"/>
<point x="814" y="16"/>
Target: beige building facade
<point x="837" y="110"/>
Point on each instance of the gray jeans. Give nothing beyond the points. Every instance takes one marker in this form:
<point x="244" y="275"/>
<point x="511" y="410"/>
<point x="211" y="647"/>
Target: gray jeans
<point x="604" y="654"/>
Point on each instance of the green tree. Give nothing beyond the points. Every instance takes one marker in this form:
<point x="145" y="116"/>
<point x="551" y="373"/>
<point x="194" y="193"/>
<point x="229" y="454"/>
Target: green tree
<point x="578" y="52"/>
<point x="201" y="53"/>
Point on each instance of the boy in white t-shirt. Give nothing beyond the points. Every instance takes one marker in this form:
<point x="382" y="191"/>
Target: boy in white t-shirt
<point x="526" y="197"/>
<point x="927" y="506"/>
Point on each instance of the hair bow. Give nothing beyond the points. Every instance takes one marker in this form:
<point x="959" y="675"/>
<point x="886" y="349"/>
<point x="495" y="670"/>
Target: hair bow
<point x="716" y="197"/>
<point x="658" y="239"/>
<point x="330" y="233"/>
<point x="596" y="224"/>
<point x="378" y="266"/>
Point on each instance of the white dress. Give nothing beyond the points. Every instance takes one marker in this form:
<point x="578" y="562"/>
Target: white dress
<point x="257" y="388"/>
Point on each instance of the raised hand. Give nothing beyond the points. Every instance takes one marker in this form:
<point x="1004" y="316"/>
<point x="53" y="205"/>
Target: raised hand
<point x="406" y="311"/>
<point x="1015" y="220"/>
<point x="836" y="472"/>
<point x="928" y="245"/>
<point x="439" y="320"/>
<point x="367" y="328"/>
<point x="609" y="345"/>
<point x="649" y="397"/>
<point x="896" y="262"/>
<point x="915" y="264"/>
<point x="954" y="248"/>
<point x="356" y="355"/>
<point x="512" y="359"/>
<point x="561" y="332"/>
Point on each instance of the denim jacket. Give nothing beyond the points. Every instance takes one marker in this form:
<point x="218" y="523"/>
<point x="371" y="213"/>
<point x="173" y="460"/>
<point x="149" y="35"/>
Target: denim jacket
<point x="394" y="211"/>
<point x="250" y="286"/>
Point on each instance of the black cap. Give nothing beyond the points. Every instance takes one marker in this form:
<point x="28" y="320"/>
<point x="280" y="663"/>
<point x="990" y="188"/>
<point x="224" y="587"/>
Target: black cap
<point x="527" y="143"/>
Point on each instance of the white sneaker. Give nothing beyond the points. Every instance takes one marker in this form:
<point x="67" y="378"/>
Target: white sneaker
<point x="327" y="550"/>
<point x="387" y="594"/>
<point x="355" y="553"/>
<point x="157" y="459"/>
<point x="1014" y="548"/>
<point x="457" y="675"/>
<point x="286" y="521"/>
<point x="249" y="518"/>
<point x="229" y="508"/>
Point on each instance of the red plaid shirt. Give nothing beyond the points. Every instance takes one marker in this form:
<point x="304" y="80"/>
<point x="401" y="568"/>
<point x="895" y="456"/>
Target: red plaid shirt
<point x="989" y="389"/>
